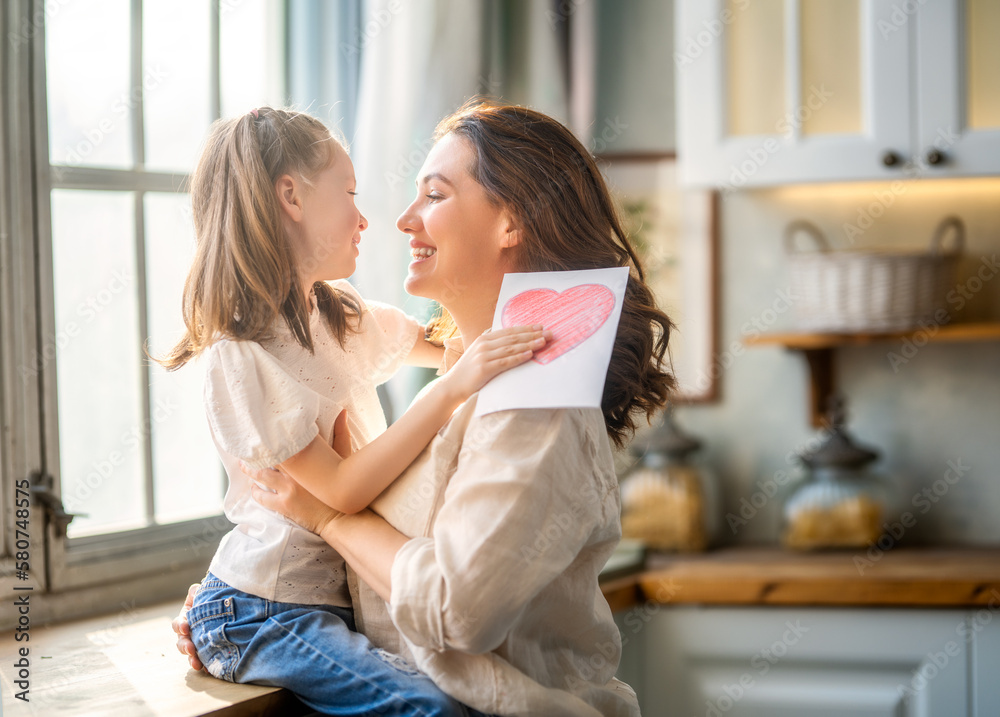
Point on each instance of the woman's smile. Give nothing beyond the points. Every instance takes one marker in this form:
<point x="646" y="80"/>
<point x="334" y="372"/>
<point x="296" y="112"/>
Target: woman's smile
<point x="420" y="252"/>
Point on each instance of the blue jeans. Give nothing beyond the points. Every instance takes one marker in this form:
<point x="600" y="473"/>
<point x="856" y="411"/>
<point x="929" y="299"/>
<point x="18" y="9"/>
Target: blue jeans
<point x="311" y="650"/>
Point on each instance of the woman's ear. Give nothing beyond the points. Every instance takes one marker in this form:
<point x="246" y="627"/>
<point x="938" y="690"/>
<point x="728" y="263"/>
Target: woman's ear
<point x="289" y="193"/>
<point x="511" y="236"/>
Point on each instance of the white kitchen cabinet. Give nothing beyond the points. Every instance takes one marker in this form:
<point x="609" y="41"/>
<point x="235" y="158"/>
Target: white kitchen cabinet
<point x="985" y="661"/>
<point x="782" y="91"/>
<point x="799" y="662"/>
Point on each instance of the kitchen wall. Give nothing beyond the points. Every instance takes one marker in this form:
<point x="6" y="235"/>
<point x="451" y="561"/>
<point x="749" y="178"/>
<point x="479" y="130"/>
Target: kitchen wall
<point x="942" y="404"/>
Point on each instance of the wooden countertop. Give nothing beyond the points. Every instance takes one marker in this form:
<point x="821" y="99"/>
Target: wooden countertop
<point x="914" y="577"/>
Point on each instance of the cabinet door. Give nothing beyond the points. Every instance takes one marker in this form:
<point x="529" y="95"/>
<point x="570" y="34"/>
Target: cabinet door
<point x="775" y="91"/>
<point x="766" y="662"/>
<point x="958" y="90"/>
<point x="985" y="658"/>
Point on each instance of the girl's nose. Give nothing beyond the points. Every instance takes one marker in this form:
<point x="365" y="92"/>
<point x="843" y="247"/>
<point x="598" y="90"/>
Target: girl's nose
<point x="364" y="221"/>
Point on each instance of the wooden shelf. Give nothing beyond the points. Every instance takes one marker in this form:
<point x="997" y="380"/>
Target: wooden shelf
<point x="818" y="350"/>
<point x="901" y="577"/>
<point x="934" y="334"/>
<point x="757" y="576"/>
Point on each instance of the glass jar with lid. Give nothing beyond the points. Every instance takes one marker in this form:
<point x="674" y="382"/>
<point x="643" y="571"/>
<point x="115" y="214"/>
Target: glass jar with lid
<point x="841" y="503"/>
<point x="669" y="500"/>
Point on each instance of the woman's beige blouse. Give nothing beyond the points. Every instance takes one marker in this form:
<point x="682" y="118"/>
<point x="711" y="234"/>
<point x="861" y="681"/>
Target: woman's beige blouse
<point x="513" y="515"/>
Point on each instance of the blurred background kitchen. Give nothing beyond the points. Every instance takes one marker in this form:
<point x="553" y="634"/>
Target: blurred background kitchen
<point x="720" y="123"/>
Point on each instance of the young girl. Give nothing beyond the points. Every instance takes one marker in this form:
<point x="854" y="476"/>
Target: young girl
<point x="288" y="356"/>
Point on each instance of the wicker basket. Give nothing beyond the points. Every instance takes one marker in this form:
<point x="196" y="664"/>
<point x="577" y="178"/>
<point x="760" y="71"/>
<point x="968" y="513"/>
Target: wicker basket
<point x="848" y="291"/>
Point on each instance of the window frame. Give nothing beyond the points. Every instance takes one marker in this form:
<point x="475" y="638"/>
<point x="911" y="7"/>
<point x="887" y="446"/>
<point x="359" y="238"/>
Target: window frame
<point x="76" y="562"/>
<point x="20" y="408"/>
<point x="82" y="575"/>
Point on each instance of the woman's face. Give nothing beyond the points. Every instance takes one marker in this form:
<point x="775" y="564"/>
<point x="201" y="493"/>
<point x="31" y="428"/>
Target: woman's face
<point x="457" y="235"/>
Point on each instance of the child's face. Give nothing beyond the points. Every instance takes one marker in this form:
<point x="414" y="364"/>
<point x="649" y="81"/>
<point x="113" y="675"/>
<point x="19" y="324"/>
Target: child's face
<point x="327" y="247"/>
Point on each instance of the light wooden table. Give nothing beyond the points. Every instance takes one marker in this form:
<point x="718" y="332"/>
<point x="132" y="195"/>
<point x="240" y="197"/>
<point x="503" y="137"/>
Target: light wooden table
<point x="125" y="665"/>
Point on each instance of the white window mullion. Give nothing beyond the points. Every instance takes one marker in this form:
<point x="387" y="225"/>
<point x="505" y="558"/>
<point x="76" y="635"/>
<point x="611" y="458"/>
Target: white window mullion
<point x="139" y="152"/>
<point x="136" y="83"/>
<point x="70" y="177"/>
<point x="145" y="435"/>
<point x="215" y="63"/>
<point x="793" y="63"/>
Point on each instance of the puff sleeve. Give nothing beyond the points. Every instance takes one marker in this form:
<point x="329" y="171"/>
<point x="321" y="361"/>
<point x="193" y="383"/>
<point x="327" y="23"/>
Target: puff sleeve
<point x="256" y="410"/>
<point x="390" y="334"/>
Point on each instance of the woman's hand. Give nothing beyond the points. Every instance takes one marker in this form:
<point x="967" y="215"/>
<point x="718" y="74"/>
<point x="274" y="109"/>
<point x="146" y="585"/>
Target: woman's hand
<point x="282" y="494"/>
<point x="183" y="631"/>
<point x="493" y="353"/>
<point x="292" y="499"/>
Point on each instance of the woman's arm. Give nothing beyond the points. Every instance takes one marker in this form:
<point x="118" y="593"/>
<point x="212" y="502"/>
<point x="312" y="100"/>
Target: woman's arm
<point x="350" y="484"/>
<point x="364" y="539"/>
<point x="379" y="540"/>
<point x="369" y="544"/>
<point x="521" y="505"/>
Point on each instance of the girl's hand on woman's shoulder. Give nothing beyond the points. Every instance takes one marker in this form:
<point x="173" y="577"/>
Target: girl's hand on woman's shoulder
<point x="493" y="353"/>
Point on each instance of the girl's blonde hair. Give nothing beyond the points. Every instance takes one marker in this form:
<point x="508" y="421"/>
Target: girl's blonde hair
<point x="244" y="276"/>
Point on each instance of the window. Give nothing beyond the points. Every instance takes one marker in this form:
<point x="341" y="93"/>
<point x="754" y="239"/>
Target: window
<point x="115" y="97"/>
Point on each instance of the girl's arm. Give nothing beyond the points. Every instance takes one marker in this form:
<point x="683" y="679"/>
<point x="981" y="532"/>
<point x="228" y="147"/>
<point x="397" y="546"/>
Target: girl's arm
<point x="424" y="353"/>
<point x="365" y="540"/>
<point x="350" y="484"/>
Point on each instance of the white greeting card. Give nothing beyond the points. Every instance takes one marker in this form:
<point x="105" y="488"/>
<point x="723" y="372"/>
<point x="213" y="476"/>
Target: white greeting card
<point x="581" y="309"/>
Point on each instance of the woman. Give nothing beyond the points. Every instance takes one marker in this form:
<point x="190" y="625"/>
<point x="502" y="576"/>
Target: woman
<point x="480" y="564"/>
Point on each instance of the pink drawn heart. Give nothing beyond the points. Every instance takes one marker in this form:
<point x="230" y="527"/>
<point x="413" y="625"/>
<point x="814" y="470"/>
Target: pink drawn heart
<point x="572" y="315"/>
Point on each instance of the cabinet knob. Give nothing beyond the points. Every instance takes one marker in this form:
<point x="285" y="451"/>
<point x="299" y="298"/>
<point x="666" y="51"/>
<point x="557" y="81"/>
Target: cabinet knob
<point x="890" y="158"/>
<point x="936" y="157"/>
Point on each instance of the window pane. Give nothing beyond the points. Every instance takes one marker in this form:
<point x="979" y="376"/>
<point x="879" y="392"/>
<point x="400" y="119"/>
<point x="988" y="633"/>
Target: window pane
<point x="755" y="70"/>
<point x="983" y="28"/>
<point x="831" y="65"/>
<point x="98" y="360"/>
<point x="176" y="85"/>
<point x="89" y="99"/>
<point x="252" y="62"/>
<point x="187" y="474"/>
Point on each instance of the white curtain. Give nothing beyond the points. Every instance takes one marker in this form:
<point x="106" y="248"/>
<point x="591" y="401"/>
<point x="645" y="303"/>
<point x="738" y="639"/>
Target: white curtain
<point x="419" y="61"/>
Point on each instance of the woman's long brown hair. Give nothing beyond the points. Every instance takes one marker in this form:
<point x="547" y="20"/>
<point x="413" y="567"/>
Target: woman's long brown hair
<point x="243" y="277"/>
<point x="538" y="171"/>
